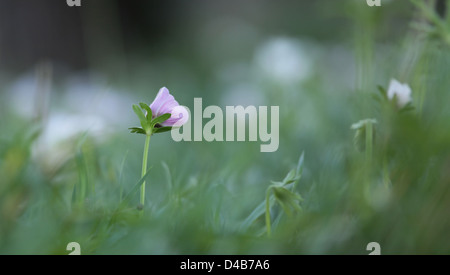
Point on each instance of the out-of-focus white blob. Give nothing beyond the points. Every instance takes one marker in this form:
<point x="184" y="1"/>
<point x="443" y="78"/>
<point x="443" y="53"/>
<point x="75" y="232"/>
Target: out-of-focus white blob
<point x="400" y="91"/>
<point x="64" y="126"/>
<point x="94" y="97"/>
<point x="86" y="106"/>
<point x="62" y="133"/>
<point x="28" y="95"/>
<point x="89" y="106"/>
<point x="83" y="105"/>
<point x="286" y="60"/>
<point x="21" y="96"/>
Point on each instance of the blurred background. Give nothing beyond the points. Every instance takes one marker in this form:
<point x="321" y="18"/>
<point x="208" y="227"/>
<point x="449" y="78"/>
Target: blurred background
<point x="69" y="76"/>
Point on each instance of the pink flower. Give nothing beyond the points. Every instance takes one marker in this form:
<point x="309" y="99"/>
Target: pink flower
<point x="165" y="103"/>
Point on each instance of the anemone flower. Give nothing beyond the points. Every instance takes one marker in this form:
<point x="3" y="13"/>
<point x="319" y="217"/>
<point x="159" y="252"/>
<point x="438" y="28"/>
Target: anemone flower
<point x="163" y="114"/>
<point x="165" y="103"/>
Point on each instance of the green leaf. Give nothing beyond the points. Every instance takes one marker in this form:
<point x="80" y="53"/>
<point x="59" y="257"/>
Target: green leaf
<point x="161" y="118"/>
<point x="141" y="116"/>
<point x="283" y="194"/>
<point x="168" y="175"/>
<point x="383" y="92"/>
<point x="287" y="198"/>
<point x="136" y="130"/>
<point x="300" y="163"/>
<point x="149" y="111"/>
<point x="290" y="177"/>
<point x="257" y="213"/>
<point x="378" y="98"/>
<point x="285" y="207"/>
<point x="278" y="192"/>
<point x="277" y="183"/>
<point x="130" y="194"/>
<point x="296" y="206"/>
<point x="161" y="130"/>
<point x="407" y="108"/>
<point x="295" y="174"/>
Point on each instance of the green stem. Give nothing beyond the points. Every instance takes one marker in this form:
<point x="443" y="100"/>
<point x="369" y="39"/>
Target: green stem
<point x="369" y="152"/>
<point x="268" y="225"/>
<point x="83" y="178"/>
<point x="144" y="168"/>
<point x="369" y="141"/>
<point x="386" y="179"/>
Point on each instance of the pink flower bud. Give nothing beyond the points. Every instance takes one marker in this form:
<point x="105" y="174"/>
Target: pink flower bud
<point x="165" y="103"/>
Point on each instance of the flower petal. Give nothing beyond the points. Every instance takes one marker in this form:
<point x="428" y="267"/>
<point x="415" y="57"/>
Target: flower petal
<point x="162" y="97"/>
<point x="401" y="91"/>
<point x="180" y="116"/>
<point x="394" y="88"/>
<point x="167" y="106"/>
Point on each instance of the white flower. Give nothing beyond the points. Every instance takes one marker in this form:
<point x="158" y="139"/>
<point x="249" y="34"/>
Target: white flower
<point x="362" y="123"/>
<point x="284" y="59"/>
<point x="401" y="91"/>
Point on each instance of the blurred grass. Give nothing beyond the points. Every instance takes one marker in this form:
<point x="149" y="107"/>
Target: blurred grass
<point x="199" y="194"/>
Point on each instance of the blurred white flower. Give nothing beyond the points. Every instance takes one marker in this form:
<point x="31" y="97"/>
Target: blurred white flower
<point x="63" y="126"/>
<point x="362" y="123"/>
<point x="400" y="91"/>
<point x="93" y="97"/>
<point x="60" y="134"/>
<point x="21" y="94"/>
<point x="87" y="106"/>
<point x="284" y="59"/>
<point x="28" y="95"/>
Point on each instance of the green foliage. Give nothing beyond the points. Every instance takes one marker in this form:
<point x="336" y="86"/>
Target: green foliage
<point x="217" y="197"/>
<point x="149" y="125"/>
<point x="439" y="29"/>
